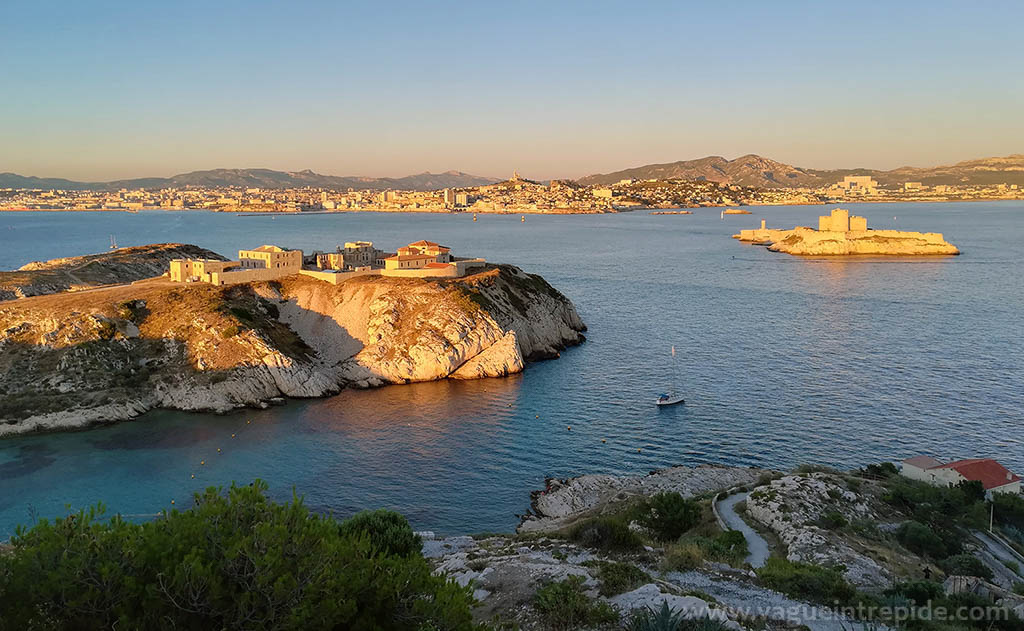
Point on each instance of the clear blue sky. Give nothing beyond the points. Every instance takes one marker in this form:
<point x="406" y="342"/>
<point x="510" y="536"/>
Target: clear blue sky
<point x="103" y="89"/>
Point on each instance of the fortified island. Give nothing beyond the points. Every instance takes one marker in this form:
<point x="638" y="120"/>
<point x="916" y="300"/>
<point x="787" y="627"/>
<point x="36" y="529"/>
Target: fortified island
<point x="839" y="233"/>
<point x="214" y="335"/>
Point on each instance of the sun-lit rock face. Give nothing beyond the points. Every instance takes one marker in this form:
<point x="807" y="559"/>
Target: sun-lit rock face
<point x="76" y="359"/>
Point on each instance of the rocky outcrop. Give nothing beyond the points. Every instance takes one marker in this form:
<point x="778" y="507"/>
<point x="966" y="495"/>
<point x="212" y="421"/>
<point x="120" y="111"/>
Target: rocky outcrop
<point x="563" y="502"/>
<point x="793" y="507"/>
<point x="124" y="265"/>
<point x="82" y="358"/>
<point x="505" y="574"/>
<point x="802" y="241"/>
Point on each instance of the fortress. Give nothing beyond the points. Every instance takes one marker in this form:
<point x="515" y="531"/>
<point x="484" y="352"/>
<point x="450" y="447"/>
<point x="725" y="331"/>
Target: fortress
<point x="840" y="233"/>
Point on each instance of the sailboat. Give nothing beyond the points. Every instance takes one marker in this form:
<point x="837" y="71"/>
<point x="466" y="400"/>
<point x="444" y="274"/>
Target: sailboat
<point x="113" y="243"/>
<point x="671" y="398"/>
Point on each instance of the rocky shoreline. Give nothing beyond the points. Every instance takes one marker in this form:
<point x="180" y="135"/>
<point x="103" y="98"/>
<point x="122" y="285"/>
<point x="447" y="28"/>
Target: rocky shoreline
<point x="801" y="512"/>
<point x="75" y="359"/>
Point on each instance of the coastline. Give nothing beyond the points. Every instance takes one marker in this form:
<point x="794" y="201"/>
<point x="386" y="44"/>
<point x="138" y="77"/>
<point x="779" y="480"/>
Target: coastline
<point x="521" y="211"/>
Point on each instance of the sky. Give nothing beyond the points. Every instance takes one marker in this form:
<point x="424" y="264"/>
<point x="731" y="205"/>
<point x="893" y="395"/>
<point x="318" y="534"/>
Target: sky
<point x="115" y="89"/>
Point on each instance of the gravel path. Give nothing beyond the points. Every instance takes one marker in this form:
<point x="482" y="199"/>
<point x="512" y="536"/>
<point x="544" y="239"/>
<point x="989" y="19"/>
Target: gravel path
<point x="757" y="545"/>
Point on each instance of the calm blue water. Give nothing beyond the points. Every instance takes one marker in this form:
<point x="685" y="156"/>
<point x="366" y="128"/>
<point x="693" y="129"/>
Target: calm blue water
<point x="784" y="361"/>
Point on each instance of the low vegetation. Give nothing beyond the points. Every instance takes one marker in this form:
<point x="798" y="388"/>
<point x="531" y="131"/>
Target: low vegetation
<point x="565" y="605"/>
<point x="617" y="578"/>
<point x="669" y="515"/>
<point x="667" y="619"/>
<point x="807" y="582"/>
<point x="611" y="534"/>
<point x="234" y="560"/>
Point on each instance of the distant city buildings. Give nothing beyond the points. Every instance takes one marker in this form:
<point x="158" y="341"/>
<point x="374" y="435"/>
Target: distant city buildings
<point x="515" y="195"/>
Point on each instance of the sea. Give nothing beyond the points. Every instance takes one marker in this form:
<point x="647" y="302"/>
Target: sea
<point x="782" y="360"/>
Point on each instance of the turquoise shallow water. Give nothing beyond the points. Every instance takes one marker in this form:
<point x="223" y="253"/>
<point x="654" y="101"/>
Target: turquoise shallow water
<point x="784" y="361"/>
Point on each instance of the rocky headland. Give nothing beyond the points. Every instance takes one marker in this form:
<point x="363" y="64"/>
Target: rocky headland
<point x="123" y="265"/>
<point x="73" y="359"/>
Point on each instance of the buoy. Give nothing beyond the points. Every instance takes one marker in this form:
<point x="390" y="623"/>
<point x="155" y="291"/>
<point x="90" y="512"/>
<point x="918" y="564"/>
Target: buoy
<point x="248" y="422"/>
<point x="193" y="476"/>
<point x="172" y="501"/>
<point x="569" y="428"/>
<point x="218" y="449"/>
<point x="638" y="450"/>
<point x="538" y="416"/>
<point x="232" y="435"/>
<point x="202" y="462"/>
<point x="603" y="440"/>
<point x="523" y="219"/>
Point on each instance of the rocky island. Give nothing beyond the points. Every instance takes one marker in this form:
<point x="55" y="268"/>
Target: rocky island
<point x="77" y="358"/>
<point x="840" y="234"/>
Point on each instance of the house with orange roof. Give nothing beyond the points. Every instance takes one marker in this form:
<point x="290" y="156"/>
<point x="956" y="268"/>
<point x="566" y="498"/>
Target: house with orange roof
<point x="423" y="259"/>
<point x="994" y="477"/>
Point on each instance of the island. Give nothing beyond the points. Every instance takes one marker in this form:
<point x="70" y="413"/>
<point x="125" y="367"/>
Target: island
<point x="839" y="233"/>
<point x="214" y="335"/>
<point x="735" y="211"/>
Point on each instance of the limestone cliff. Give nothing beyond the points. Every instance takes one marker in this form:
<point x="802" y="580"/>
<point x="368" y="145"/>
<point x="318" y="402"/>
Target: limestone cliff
<point x="69" y="360"/>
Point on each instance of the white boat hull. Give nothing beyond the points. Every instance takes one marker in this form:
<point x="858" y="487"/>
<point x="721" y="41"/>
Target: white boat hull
<point x="670" y="401"/>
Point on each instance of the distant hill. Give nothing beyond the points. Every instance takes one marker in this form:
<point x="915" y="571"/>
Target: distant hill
<point x="749" y="170"/>
<point x="753" y="170"/>
<point x="257" y="178"/>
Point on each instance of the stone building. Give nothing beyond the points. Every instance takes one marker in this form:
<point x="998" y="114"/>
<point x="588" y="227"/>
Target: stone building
<point x="840" y="220"/>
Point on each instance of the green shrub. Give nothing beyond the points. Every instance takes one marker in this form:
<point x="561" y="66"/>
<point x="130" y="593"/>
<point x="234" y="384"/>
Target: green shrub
<point x="564" y="605"/>
<point x="231" y="561"/>
<point x="727" y="547"/>
<point x="883" y="470"/>
<point x="920" y="592"/>
<point x="606" y="533"/>
<point x="667" y="619"/>
<point x="1018" y="588"/>
<point x="1013" y="566"/>
<point x="230" y="331"/>
<point x="389" y="532"/>
<point x="241" y="313"/>
<point x="1009" y="509"/>
<point x="965" y="565"/>
<point x="683" y="556"/>
<point x="920" y="539"/>
<point x="669" y="515"/>
<point x="617" y="578"/>
<point x="937" y="506"/>
<point x="806" y="581"/>
<point x="832" y="520"/>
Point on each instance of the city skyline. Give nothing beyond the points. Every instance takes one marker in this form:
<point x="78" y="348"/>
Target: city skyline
<point x="115" y="90"/>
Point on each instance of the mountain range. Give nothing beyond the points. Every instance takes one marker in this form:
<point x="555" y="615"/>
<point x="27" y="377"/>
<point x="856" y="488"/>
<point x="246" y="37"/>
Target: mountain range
<point x="257" y="178"/>
<point x="749" y="170"/>
<point x="756" y="171"/>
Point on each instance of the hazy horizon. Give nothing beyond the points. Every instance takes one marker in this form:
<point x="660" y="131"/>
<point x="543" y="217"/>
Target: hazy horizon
<point x="117" y="90"/>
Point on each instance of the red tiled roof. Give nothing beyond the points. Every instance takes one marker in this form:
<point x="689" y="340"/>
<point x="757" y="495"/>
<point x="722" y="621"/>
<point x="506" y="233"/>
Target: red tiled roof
<point x="990" y="473"/>
<point x="436" y="265"/>
<point x="922" y="462"/>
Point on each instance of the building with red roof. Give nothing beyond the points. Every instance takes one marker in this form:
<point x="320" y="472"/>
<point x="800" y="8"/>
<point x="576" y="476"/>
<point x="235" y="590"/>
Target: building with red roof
<point x="993" y="476"/>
